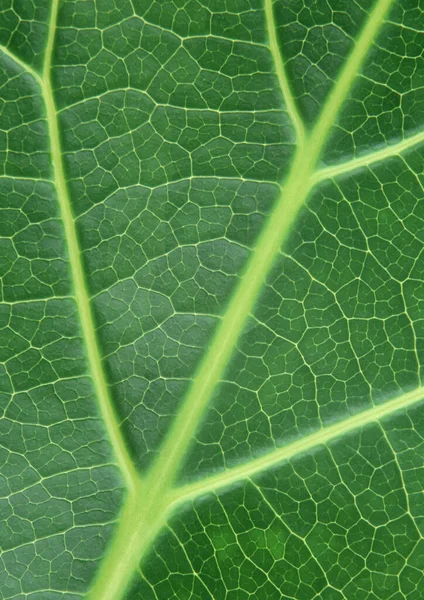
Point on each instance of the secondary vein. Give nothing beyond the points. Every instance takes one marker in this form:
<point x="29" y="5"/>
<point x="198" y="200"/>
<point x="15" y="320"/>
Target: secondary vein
<point x="281" y="73"/>
<point x="148" y="513"/>
<point x="321" y="437"/>
<point x="369" y="159"/>
<point x="345" y="78"/>
<point x="77" y="271"/>
<point x="292" y="198"/>
<point x="24" y="66"/>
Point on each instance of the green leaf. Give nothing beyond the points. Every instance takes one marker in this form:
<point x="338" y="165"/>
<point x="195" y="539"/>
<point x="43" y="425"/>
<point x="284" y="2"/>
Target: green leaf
<point x="212" y="317"/>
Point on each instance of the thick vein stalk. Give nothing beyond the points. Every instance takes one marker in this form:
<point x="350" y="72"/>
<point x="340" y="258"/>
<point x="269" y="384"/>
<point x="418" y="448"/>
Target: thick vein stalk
<point x="291" y="199"/>
<point x="148" y="518"/>
<point x="77" y="272"/>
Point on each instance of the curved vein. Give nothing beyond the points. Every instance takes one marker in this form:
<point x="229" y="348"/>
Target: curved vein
<point x="77" y="271"/>
<point x="281" y="73"/>
<point x="321" y="437"/>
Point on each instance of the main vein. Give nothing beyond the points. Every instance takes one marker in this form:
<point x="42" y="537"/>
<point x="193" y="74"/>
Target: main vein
<point x="277" y="228"/>
<point x="77" y="272"/>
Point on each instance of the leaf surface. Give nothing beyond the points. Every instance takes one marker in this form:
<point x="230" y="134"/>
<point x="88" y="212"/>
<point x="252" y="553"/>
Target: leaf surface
<point x="212" y="308"/>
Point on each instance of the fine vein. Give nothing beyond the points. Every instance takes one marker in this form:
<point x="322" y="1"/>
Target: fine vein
<point x="77" y="273"/>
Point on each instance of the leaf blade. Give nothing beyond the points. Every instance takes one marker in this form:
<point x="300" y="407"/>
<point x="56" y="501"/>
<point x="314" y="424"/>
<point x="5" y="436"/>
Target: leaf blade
<point x="171" y="177"/>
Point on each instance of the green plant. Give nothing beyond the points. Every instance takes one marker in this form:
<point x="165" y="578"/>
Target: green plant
<point x="212" y="279"/>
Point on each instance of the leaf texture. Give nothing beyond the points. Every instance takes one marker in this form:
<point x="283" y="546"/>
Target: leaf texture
<point x="212" y="316"/>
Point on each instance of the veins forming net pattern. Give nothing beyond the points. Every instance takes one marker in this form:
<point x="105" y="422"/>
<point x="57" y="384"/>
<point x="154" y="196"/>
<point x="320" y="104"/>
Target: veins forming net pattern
<point x="212" y="317"/>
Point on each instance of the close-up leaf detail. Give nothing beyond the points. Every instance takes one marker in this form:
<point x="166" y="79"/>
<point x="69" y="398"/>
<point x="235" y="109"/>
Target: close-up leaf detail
<point x="212" y="299"/>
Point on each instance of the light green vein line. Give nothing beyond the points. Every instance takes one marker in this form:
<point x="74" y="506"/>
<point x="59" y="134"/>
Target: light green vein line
<point x="281" y="73"/>
<point x="325" y="435"/>
<point x="369" y="159"/>
<point x="136" y="530"/>
<point x="21" y="63"/>
<point x="77" y="273"/>
<point x="346" y="77"/>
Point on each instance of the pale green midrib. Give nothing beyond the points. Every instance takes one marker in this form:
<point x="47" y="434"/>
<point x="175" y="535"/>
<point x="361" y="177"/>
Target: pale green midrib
<point x="281" y="74"/>
<point x="217" y="356"/>
<point x="321" y="437"/>
<point x="77" y="273"/>
<point x="140" y="519"/>
<point x="368" y="159"/>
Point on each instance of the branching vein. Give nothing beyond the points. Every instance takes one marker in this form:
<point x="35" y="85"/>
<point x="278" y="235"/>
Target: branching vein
<point x="147" y="507"/>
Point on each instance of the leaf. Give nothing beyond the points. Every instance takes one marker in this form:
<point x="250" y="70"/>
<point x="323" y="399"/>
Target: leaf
<point x="212" y="300"/>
